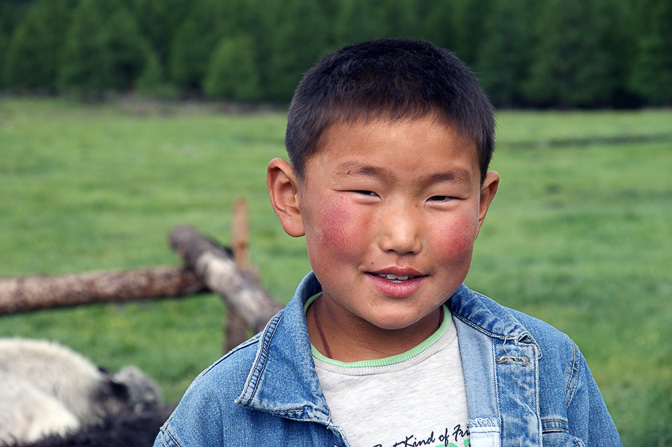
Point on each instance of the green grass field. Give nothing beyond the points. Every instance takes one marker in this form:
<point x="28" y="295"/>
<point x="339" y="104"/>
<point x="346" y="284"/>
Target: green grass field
<point x="578" y="235"/>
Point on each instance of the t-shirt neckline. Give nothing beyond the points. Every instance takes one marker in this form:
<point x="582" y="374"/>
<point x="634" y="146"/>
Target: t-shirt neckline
<point x="386" y="361"/>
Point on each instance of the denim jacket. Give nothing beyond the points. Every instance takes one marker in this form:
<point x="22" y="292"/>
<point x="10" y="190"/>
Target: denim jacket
<point x="527" y="385"/>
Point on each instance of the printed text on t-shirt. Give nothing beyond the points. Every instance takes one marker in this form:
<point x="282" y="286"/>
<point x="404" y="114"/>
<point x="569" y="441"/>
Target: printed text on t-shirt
<point x="457" y="438"/>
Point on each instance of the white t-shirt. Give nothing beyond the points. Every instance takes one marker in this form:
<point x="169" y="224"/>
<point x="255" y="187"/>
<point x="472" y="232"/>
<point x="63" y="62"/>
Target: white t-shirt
<point x="417" y="398"/>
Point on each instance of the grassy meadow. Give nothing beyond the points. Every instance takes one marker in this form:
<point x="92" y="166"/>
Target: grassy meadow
<point x="578" y="235"/>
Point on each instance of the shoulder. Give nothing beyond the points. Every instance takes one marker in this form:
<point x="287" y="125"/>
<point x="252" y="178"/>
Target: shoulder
<point x="208" y="407"/>
<point x="226" y="377"/>
<point x="499" y="322"/>
<point x="494" y="319"/>
<point x="231" y="369"/>
<point x="216" y="409"/>
<point x="567" y="391"/>
<point x="544" y="334"/>
<point x="562" y="367"/>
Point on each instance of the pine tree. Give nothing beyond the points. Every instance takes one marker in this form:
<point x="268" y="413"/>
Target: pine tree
<point x="504" y="55"/>
<point x="396" y="18"/>
<point x="232" y="73"/>
<point x="159" y="22"/>
<point x="572" y="66"/>
<point x="3" y="51"/>
<point x="83" y="55"/>
<point x="150" y="81"/>
<point x="652" y="66"/>
<point x="33" y="55"/>
<point x="11" y="15"/>
<point x="352" y="23"/>
<point x="195" y="43"/>
<point x="126" y="52"/>
<point x="294" y="36"/>
<point x="104" y="50"/>
<point x="468" y="22"/>
<point x="437" y="24"/>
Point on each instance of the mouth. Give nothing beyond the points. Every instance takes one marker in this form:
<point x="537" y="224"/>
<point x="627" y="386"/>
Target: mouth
<point x="397" y="275"/>
<point x="397" y="282"/>
<point x="395" y="278"/>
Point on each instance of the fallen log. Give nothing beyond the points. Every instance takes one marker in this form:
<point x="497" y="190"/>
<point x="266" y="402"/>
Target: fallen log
<point x="220" y="273"/>
<point x="30" y="293"/>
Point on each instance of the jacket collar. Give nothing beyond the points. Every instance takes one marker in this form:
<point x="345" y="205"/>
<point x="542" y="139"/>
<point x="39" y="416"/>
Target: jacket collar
<point x="488" y="316"/>
<point x="283" y="379"/>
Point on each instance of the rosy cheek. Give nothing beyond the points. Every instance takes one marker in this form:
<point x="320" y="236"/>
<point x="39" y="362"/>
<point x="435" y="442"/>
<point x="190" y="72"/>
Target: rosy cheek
<point x="453" y="241"/>
<point x="336" y="224"/>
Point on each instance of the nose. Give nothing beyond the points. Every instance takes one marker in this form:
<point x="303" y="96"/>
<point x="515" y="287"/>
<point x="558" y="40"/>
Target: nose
<point x="401" y="227"/>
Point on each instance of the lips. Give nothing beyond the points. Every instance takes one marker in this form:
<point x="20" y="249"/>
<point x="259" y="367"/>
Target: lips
<point x="397" y="273"/>
<point x="395" y="278"/>
<point x="397" y="283"/>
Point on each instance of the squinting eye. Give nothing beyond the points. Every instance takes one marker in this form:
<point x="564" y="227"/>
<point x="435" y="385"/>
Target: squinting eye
<point x="366" y="193"/>
<point x="440" y="198"/>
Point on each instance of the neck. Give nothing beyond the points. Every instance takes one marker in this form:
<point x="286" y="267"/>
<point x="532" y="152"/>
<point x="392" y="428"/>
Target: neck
<point x="353" y="340"/>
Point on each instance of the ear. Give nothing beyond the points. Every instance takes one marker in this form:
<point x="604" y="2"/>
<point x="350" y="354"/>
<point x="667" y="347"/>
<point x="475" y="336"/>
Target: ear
<point x="283" y="188"/>
<point x="488" y="191"/>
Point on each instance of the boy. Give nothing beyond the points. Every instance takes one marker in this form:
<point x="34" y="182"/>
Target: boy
<point x="382" y="345"/>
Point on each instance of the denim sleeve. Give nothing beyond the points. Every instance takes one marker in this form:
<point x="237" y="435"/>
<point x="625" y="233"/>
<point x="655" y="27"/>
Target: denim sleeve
<point x="197" y="421"/>
<point x="588" y="417"/>
<point x="163" y="439"/>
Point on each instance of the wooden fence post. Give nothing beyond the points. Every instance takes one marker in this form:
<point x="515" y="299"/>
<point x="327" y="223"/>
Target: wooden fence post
<point x="215" y="266"/>
<point x="235" y="329"/>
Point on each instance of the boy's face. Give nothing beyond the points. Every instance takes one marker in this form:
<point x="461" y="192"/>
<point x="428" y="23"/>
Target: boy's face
<point x="390" y="211"/>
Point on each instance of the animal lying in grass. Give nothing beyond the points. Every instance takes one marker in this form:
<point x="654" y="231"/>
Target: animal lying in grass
<point x="120" y="430"/>
<point x="48" y="389"/>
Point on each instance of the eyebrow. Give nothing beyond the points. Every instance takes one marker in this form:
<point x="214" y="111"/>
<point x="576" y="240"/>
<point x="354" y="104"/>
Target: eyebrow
<point x="359" y="170"/>
<point x="458" y="175"/>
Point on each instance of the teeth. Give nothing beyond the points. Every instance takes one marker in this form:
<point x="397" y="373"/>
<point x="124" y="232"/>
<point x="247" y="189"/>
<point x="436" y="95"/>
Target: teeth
<point x="392" y="277"/>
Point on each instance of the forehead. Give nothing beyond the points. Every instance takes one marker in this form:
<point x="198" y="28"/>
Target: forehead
<point x="366" y="148"/>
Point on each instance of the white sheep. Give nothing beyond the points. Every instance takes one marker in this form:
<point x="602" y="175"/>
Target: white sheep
<point x="46" y="388"/>
<point x="29" y="414"/>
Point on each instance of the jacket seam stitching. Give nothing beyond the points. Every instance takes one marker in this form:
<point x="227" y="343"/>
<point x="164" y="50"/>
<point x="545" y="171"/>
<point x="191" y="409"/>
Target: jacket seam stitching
<point x="570" y="389"/>
<point x="480" y="328"/>
<point x="524" y="332"/>
<point x="172" y="438"/>
<point x="263" y="359"/>
<point x="493" y="356"/>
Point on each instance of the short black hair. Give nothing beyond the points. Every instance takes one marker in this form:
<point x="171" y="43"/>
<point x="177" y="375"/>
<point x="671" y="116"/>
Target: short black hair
<point x="390" y="79"/>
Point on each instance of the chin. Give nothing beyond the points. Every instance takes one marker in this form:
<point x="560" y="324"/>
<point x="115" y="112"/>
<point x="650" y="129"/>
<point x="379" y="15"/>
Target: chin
<point x="393" y="323"/>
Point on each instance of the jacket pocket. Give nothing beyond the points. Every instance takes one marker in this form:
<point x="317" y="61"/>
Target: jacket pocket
<point x="555" y="433"/>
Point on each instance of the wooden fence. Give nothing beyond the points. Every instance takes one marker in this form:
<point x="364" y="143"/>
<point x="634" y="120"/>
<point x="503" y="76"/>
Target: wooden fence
<point x="208" y="267"/>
